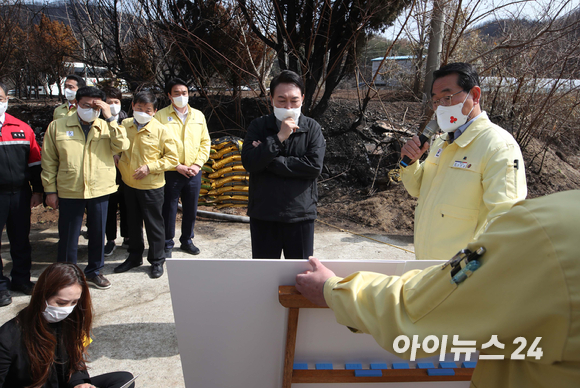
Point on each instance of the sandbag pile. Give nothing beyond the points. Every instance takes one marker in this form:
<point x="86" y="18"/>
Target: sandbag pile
<point x="224" y="179"/>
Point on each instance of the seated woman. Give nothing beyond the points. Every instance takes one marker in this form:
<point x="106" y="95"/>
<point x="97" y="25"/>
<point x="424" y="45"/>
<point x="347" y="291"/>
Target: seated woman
<point x="46" y="344"/>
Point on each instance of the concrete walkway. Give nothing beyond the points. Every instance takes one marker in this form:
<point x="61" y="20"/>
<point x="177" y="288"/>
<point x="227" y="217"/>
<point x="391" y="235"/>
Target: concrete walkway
<point x="134" y="328"/>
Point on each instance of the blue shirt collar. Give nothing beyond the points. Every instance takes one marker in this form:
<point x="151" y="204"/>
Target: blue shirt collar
<point x="459" y="131"/>
<point x="139" y="126"/>
<point x="81" y="122"/>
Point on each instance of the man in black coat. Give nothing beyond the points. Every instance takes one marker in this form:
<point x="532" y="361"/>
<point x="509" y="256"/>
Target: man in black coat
<point x="283" y="152"/>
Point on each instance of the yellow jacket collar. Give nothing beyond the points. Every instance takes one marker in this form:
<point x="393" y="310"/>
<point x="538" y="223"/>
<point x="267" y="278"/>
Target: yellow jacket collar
<point x="130" y="122"/>
<point x="175" y="116"/>
<point x="73" y="121"/>
<point x="471" y="132"/>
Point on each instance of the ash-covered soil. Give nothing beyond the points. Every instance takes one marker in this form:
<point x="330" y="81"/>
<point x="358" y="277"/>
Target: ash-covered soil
<point x="358" y="188"/>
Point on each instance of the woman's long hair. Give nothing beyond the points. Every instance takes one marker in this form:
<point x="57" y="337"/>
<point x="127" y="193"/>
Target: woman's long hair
<point x="38" y="337"/>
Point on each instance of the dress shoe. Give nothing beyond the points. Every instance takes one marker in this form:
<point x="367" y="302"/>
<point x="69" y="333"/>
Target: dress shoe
<point x="5" y="298"/>
<point x="99" y="281"/>
<point x="25" y="288"/>
<point x="190" y="248"/>
<point x="156" y="270"/>
<point x="127" y="265"/>
<point x="168" y="253"/>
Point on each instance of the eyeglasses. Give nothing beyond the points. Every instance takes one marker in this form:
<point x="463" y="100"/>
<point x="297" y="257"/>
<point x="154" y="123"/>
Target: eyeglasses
<point x="445" y="101"/>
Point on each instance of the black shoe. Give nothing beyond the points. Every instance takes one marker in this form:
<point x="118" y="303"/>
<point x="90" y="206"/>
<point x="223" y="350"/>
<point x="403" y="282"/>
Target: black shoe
<point x="125" y="243"/>
<point x="99" y="281"/>
<point x="110" y="247"/>
<point x="156" y="270"/>
<point x="25" y="288"/>
<point x="5" y="298"/>
<point x="127" y="265"/>
<point x="190" y="248"/>
<point x="168" y="253"/>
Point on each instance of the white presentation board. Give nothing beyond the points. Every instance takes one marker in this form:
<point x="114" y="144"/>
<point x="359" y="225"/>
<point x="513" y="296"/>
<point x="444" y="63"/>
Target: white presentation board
<point x="231" y="328"/>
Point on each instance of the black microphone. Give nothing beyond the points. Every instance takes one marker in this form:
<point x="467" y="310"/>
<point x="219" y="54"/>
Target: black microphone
<point x="430" y="130"/>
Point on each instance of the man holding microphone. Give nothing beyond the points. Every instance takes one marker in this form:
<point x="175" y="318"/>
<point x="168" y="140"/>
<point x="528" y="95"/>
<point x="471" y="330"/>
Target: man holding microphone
<point x="474" y="171"/>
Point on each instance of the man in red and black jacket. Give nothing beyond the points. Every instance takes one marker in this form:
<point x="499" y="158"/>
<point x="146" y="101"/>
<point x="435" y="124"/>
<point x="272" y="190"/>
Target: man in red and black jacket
<point x="20" y="161"/>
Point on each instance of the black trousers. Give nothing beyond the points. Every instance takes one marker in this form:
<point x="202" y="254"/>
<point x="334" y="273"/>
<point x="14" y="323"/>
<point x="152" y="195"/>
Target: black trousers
<point x="112" y="380"/>
<point x="15" y="214"/>
<point x="176" y="185"/>
<point x="70" y="219"/>
<point x="144" y="206"/>
<point x="117" y="200"/>
<point x="270" y="238"/>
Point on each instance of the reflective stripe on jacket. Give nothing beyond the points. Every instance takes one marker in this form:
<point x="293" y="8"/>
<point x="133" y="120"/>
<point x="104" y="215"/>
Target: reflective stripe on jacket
<point x="19" y="156"/>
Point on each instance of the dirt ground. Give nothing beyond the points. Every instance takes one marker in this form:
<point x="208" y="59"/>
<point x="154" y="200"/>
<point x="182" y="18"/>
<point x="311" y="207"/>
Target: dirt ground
<point x="355" y="190"/>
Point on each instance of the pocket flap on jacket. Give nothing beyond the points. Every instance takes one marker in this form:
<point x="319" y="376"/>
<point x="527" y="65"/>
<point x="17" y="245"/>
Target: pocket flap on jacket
<point x="465" y="166"/>
<point x="104" y="134"/>
<point x="458" y="212"/>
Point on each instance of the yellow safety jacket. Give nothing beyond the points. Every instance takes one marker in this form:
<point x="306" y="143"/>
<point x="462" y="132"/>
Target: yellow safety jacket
<point x="63" y="111"/>
<point x="463" y="186"/>
<point x="151" y="145"/>
<point x="75" y="167"/>
<point x="192" y="137"/>
<point x="528" y="285"/>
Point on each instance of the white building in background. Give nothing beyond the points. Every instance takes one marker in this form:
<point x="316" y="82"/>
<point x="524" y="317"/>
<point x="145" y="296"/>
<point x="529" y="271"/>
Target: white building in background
<point x="531" y="85"/>
<point x="91" y="74"/>
<point x="393" y="70"/>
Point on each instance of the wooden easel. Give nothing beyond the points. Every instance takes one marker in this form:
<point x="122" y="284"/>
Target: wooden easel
<point x="290" y="298"/>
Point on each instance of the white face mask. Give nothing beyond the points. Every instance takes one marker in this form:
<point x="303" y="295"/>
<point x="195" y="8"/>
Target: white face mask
<point x="55" y="314"/>
<point x="3" y="107"/>
<point x="70" y="94"/>
<point x="283" y="113"/>
<point x="115" y="109"/>
<point x="142" y="117"/>
<point x="449" y="118"/>
<point x="88" y="114"/>
<point x="180" y="101"/>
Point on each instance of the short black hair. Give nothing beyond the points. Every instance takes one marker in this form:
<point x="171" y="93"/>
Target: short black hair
<point x="112" y="92"/>
<point x="80" y="81"/>
<point x="90" y="91"/>
<point x="145" y="97"/>
<point x="3" y="87"/>
<point x="286" y="77"/>
<point x="172" y="82"/>
<point x="468" y="77"/>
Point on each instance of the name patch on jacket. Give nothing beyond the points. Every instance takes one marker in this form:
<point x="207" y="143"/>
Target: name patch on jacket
<point x="18" y="135"/>
<point x="459" y="164"/>
<point x="439" y="152"/>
